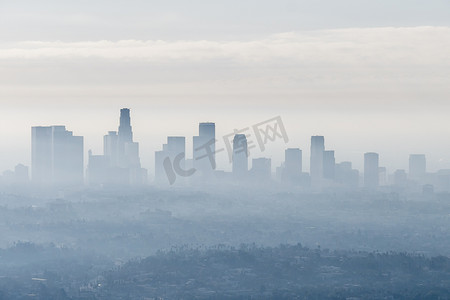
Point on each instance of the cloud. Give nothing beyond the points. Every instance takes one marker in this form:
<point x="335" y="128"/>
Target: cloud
<point x="363" y="77"/>
<point x="359" y="46"/>
<point x="343" y="69"/>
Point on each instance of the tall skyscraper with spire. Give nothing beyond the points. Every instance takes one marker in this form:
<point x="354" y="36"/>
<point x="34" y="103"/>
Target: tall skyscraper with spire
<point x="125" y="136"/>
<point x="125" y="130"/>
<point x="121" y="155"/>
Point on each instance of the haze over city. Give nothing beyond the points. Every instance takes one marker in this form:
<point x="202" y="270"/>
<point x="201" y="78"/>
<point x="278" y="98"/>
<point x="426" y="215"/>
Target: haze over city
<point x="290" y="149"/>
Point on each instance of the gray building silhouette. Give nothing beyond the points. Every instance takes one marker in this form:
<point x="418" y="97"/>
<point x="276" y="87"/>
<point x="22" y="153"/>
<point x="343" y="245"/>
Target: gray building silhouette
<point x="240" y="156"/>
<point x="371" y="170"/>
<point x="204" y="148"/>
<point x="316" y="161"/>
<point x="293" y="164"/>
<point x="120" y="163"/>
<point x="56" y="156"/>
<point x="417" y="167"/>
<point x="329" y="165"/>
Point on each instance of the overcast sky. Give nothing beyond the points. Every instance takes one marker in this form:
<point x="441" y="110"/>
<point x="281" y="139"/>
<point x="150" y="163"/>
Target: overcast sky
<point x="369" y="75"/>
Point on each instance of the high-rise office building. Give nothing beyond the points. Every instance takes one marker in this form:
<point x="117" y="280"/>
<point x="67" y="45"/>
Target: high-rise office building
<point x="111" y="148"/>
<point x="207" y="129"/>
<point x="129" y="163"/>
<point x="160" y="174"/>
<point x="204" y="148"/>
<point x="371" y="170"/>
<point x="176" y="145"/>
<point x="329" y="165"/>
<point x="132" y="155"/>
<point x="67" y="157"/>
<point x="240" y="156"/>
<point x="125" y="136"/>
<point x="98" y="170"/>
<point x="346" y="175"/>
<point x="173" y="152"/>
<point x="417" y="167"/>
<point x="125" y="129"/>
<point x="121" y="161"/>
<point x="41" y="154"/>
<point x="292" y="171"/>
<point x="57" y="156"/>
<point x="316" y="162"/>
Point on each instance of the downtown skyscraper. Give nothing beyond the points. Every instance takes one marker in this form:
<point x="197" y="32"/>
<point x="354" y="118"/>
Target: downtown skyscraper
<point x="292" y="171"/>
<point x="316" y="162"/>
<point x="56" y="156"/>
<point x="417" y="167"/>
<point x="371" y="170"/>
<point x="170" y="161"/>
<point x="120" y="163"/>
<point x="204" y="148"/>
<point x="240" y="157"/>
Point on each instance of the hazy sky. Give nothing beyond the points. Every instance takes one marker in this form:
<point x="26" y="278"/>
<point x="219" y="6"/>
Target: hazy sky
<point x="369" y="75"/>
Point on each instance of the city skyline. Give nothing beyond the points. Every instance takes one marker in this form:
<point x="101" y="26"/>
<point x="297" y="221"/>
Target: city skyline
<point x="328" y="69"/>
<point x="55" y="155"/>
<point x="303" y="148"/>
<point x="349" y="141"/>
<point x="224" y="149"/>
